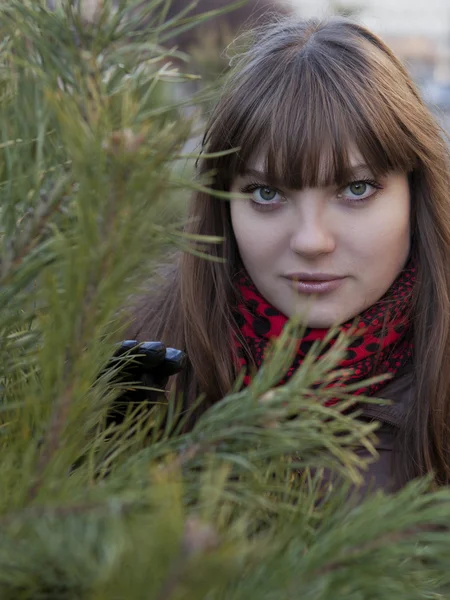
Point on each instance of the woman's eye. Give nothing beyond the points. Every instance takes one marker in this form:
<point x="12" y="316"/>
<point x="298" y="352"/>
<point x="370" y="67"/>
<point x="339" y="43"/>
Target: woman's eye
<point x="360" y="190"/>
<point x="264" y="195"/>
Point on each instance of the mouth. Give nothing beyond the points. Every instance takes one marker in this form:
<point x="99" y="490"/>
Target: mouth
<point x="315" y="283"/>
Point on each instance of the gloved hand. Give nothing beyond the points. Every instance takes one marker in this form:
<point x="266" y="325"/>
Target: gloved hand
<point x="151" y="366"/>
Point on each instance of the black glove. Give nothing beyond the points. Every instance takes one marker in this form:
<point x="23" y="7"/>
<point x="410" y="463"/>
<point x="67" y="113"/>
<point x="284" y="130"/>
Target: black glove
<point x="152" y="364"/>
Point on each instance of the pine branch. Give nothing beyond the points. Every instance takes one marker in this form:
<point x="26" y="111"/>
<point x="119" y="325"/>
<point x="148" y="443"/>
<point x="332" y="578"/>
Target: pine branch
<point x="238" y="508"/>
<point x="53" y="439"/>
<point x="198" y="538"/>
<point x="32" y="513"/>
<point x="31" y="234"/>
<point x="355" y="553"/>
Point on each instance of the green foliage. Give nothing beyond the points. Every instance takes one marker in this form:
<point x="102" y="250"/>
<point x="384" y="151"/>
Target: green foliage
<point x="91" y="137"/>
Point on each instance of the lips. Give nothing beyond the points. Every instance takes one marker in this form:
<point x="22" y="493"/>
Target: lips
<point x="315" y="283"/>
<point x="313" y="277"/>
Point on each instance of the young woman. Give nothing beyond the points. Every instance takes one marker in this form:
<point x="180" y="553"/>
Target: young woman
<point x="347" y="178"/>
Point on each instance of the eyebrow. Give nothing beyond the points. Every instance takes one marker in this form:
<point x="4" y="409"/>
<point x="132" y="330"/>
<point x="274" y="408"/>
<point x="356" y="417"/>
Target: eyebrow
<point x="354" y="171"/>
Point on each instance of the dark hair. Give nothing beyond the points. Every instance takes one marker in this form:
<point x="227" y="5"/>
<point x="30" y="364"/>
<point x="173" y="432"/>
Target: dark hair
<point x="304" y="94"/>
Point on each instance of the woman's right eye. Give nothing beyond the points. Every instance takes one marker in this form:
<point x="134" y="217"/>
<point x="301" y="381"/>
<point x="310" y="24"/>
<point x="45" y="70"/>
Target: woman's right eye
<point x="263" y="195"/>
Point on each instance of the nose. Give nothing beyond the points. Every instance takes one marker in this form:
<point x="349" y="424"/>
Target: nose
<point x="312" y="234"/>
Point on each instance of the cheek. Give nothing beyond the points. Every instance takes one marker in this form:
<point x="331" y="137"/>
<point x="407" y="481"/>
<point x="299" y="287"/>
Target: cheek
<point x="259" y="238"/>
<point x="384" y="239"/>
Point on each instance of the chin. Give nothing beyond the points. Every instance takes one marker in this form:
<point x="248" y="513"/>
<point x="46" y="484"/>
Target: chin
<point x="322" y="324"/>
<point x="325" y="321"/>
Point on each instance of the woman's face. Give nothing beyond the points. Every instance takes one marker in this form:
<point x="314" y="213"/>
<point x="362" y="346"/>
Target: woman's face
<point x="325" y="253"/>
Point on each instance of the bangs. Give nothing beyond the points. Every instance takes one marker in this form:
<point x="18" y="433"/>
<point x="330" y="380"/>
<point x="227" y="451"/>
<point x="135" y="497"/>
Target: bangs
<point x="308" y="118"/>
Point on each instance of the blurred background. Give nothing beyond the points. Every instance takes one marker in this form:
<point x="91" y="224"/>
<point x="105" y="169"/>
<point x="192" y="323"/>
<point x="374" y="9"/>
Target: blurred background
<point x="417" y="30"/>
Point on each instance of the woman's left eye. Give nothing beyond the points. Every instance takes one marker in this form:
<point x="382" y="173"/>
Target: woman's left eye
<point x="359" y="190"/>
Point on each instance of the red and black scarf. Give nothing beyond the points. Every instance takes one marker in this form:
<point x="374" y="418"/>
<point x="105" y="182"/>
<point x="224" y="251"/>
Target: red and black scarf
<point x="384" y="346"/>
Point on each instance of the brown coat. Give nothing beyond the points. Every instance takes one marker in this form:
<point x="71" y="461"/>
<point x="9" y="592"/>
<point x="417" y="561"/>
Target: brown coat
<point x="399" y="391"/>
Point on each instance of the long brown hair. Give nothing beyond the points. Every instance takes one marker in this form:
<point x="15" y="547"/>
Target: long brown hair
<point x="304" y="93"/>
